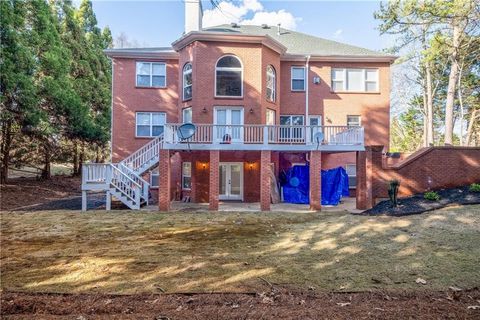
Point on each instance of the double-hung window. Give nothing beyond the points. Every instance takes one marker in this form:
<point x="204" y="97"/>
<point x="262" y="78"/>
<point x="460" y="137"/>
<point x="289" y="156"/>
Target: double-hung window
<point x="298" y="78"/>
<point x="154" y="178"/>
<point x="187" y="115"/>
<point x="187" y="81"/>
<point x="291" y="127"/>
<point x="352" y="175"/>
<point x="354" y="80"/>
<point x="186" y="175"/>
<point x="151" y="74"/>
<point x="149" y="124"/>
<point x="353" y="121"/>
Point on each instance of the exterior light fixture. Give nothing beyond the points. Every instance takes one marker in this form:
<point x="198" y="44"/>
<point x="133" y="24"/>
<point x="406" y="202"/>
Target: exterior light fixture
<point x="251" y="110"/>
<point x="204" y="110"/>
<point x="204" y="165"/>
<point x="250" y="165"/>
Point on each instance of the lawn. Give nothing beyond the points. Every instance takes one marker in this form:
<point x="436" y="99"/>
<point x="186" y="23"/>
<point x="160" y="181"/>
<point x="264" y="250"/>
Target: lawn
<point x="148" y="252"/>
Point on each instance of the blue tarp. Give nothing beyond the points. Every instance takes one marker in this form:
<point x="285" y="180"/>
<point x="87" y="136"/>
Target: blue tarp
<point x="334" y="186"/>
<point x="296" y="185"/>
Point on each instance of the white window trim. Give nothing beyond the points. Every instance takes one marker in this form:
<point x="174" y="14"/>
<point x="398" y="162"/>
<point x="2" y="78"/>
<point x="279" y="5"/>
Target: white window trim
<point x="151" y="74"/>
<point x="228" y="69"/>
<point x="345" y="80"/>
<point x="271" y="72"/>
<point x="183" y="80"/>
<point x="183" y="175"/>
<point x="351" y="175"/>
<point x="292" y="78"/>
<point x="154" y="173"/>
<point x="274" y="112"/>
<point x="183" y="114"/>
<point x="151" y="123"/>
<point x="355" y="115"/>
<point x="290" y="129"/>
<point x="293" y="115"/>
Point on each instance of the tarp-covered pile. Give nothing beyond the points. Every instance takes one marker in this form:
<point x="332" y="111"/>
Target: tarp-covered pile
<point x="296" y="185"/>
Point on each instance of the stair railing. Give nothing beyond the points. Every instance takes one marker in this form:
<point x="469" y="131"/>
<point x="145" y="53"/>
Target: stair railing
<point x="125" y="185"/>
<point x="145" y="154"/>
<point x="137" y="178"/>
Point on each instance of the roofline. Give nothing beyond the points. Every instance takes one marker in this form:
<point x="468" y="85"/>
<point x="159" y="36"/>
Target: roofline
<point x="340" y="58"/>
<point x="149" y="54"/>
<point x="192" y="36"/>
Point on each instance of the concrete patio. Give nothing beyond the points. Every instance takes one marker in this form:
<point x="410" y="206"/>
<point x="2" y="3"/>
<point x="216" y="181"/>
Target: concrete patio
<point x="347" y="204"/>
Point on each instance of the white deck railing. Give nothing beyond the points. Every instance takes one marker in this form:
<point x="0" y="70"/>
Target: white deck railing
<point x="265" y="134"/>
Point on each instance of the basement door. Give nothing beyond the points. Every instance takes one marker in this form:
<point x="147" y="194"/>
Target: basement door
<point x="231" y="181"/>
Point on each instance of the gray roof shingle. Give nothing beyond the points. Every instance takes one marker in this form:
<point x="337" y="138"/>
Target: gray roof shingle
<point x="297" y="42"/>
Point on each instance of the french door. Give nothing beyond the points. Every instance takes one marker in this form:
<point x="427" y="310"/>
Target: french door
<point x="231" y="181"/>
<point x="228" y="124"/>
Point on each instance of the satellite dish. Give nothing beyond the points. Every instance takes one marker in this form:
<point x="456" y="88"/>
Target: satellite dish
<point x="319" y="137"/>
<point x="186" y="131"/>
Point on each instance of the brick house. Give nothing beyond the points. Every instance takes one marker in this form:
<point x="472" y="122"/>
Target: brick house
<point x="262" y="99"/>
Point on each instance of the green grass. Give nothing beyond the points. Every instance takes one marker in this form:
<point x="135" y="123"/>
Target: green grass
<point x="132" y="252"/>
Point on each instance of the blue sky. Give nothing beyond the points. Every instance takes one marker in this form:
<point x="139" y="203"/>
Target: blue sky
<point x="159" y="23"/>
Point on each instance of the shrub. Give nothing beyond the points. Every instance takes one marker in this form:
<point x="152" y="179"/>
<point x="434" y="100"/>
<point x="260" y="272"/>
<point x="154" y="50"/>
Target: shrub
<point x="431" y="195"/>
<point x="475" y="187"/>
<point x="393" y="192"/>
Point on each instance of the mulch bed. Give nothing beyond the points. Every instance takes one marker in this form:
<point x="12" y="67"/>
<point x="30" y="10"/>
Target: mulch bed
<point x="275" y="304"/>
<point x="417" y="204"/>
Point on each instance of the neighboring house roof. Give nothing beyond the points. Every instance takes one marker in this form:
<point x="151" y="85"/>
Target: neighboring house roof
<point x="290" y="44"/>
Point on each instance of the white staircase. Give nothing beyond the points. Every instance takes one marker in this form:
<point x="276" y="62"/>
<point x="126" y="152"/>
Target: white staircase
<point x="123" y="180"/>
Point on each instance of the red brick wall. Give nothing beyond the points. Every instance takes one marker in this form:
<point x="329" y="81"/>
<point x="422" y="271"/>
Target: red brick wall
<point x="127" y="99"/>
<point x="427" y="169"/>
<point x="374" y="108"/>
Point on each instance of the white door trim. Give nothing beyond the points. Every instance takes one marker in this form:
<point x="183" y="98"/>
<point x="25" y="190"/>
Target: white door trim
<point x="228" y="120"/>
<point x="228" y="196"/>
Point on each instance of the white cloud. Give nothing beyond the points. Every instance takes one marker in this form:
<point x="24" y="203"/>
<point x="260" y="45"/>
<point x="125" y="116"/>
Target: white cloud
<point x="338" y="34"/>
<point x="227" y="12"/>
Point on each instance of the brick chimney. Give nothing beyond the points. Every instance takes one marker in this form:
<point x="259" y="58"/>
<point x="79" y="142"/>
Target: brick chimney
<point x="193" y="15"/>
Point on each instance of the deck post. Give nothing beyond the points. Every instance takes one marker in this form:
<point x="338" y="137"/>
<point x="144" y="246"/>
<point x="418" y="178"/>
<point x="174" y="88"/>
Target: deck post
<point x="84" y="200"/>
<point x="164" y="193"/>
<point x="214" y="188"/>
<point x="108" y="202"/>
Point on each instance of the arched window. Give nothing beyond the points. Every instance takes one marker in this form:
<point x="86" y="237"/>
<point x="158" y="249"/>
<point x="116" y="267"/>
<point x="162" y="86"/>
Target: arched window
<point x="187" y="81"/>
<point x="271" y="83"/>
<point x="229" y="77"/>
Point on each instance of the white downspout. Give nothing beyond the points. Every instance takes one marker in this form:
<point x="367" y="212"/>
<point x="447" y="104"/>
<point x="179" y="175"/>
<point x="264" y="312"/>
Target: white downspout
<point x="307" y="69"/>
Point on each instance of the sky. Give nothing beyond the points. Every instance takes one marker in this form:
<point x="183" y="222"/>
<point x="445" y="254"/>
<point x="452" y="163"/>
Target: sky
<point x="157" y="23"/>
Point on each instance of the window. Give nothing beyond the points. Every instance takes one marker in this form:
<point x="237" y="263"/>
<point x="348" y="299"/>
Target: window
<point x="149" y="124"/>
<point x="288" y="132"/>
<point x="352" y="175"/>
<point x="187" y="81"/>
<point x="298" y="78"/>
<point x="154" y="178"/>
<point x="187" y="115"/>
<point x="151" y="74"/>
<point x="229" y="77"/>
<point x="353" y="121"/>
<point x="186" y="175"/>
<point x="356" y="80"/>
<point x="271" y="83"/>
<point x="270" y="117"/>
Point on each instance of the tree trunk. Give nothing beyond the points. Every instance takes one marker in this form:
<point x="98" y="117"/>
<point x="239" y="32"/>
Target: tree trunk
<point x="471" y="125"/>
<point x="452" y="84"/>
<point x="46" y="173"/>
<point x="429" y="106"/>
<point x="82" y="157"/>
<point x="5" y="150"/>
<point x="97" y="154"/>
<point x="76" y="172"/>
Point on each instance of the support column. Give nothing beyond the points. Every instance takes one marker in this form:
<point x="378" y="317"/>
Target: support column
<point x="108" y="200"/>
<point x="84" y="200"/>
<point x="164" y="185"/>
<point x="214" y="188"/>
<point x="265" y="186"/>
<point x="361" y="188"/>
<point x="315" y="180"/>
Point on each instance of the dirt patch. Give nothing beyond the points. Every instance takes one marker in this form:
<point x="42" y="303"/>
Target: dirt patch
<point x="418" y="204"/>
<point x="279" y="303"/>
<point x="58" y="193"/>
